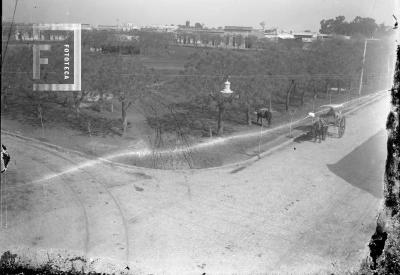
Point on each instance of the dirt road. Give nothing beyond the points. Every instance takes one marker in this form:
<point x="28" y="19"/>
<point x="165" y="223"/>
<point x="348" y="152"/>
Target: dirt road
<point x="307" y="208"/>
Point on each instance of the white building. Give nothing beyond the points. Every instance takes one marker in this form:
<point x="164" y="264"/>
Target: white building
<point x="160" y="28"/>
<point x="108" y="27"/>
<point x="275" y="34"/>
<point x="86" y="27"/>
<point x="306" y="36"/>
<point x="129" y="27"/>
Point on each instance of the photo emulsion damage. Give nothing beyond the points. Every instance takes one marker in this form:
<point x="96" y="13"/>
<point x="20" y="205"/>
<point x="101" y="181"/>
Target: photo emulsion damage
<point x="200" y="137"/>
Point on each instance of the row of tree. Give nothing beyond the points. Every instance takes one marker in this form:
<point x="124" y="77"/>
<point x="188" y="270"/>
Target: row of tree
<point x="150" y="42"/>
<point x="215" y="40"/>
<point x="138" y="42"/>
<point x="363" y="26"/>
<point x="126" y="78"/>
<point x="276" y="74"/>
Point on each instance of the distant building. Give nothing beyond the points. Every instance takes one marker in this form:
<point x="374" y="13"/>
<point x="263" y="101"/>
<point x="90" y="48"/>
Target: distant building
<point x="160" y="28"/>
<point x="168" y="28"/>
<point x="86" y="27"/>
<point x="238" y="29"/>
<point x="322" y="36"/>
<point x="129" y="27"/>
<point x="339" y="36"/>
<point x="191" y="36"/>
<point x="233" y="37"/>
<point x="237" y="36"/>
<point x="275" y="34"/>
<point x="125" y="37"/>
<point x="271" y="34"/>
<point x="241" y="37"/>
<point x="24" y="32"/>
<point x="285" y="35"/>
<point x="305" y="36"/>
<point x="108" y="27"/>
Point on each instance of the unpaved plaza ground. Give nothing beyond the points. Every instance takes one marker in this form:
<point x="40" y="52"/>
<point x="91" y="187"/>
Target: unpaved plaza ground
<point x="306" y="208"/>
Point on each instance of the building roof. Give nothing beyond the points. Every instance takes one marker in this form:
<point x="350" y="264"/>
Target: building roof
<point x="285" y="36"/>
<point x="108" y="27"/>
<point x="304" y="34"/>
<point x="271" y="31"/>
<point x="193" y="30"/>
<point x="238" y="28"/>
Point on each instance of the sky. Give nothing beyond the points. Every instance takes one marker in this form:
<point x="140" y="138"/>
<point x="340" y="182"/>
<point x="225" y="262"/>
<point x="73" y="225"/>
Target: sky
<point x="295" y="15"/>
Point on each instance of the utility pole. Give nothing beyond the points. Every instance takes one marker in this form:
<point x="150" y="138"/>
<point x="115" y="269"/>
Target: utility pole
<point x="363" y="62"/>
<point x="362" y="68"/>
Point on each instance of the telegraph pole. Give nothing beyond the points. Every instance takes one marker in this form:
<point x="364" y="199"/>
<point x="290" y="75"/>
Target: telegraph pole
<point x="363" y="62"/>
<point x="362" y="68"/>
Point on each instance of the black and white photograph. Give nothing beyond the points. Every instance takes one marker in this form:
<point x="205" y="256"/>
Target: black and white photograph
<point x="200" y="137"/>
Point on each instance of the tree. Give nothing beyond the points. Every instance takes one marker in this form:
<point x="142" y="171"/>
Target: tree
<point x="96" y="76"/>
<point x="205" y="38"/>
<point x="264" y="77"/>
<point x="97" y="38"/>
<point x="78" y="97"/>
<point x="252" y="93"/>
<point x="290" y="90"/>
<point x="366" y="27"/>
<point x="336" y="26"/>
<point x="243" y="65"/>
<point x="134" y="81"/>
<point x="16" y="76"/>
<point x="250" y="41"/>
<point x="126" y="78"/>
<point x="216" y="40"/>
<point x="154" y="42"/>
<point x="239" y="41"/>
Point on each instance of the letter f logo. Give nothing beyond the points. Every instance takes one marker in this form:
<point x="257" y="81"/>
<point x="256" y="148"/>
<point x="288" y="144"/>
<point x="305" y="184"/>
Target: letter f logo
<point x="37" y="60"/>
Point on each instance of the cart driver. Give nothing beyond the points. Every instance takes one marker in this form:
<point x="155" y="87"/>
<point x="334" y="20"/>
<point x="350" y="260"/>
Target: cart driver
<point x="331" y="112"/>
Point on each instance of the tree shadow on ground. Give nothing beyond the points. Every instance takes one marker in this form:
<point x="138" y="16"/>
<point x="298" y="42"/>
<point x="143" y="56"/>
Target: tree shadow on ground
<point x="364" y="167"/>
<point x="191" y="119"/>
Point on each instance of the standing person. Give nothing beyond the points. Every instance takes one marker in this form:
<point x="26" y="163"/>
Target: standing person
<point x="5" y="158"/>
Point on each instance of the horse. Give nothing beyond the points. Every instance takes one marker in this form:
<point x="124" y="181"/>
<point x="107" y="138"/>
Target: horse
<point x="319" y="129"/>
<point x="264" y="113"/>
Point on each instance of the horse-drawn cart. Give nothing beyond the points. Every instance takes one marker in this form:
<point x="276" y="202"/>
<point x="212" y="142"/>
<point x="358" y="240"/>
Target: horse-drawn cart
<point x="334" y="117"/>
<point x="331" y="116"/>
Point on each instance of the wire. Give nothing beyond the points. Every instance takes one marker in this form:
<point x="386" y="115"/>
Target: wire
<point x="278" y="76"/>
<point x="9" y="34"/>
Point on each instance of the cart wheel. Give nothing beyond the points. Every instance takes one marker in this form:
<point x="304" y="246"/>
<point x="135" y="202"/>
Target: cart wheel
<point x="342" y="127"/>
